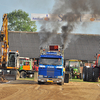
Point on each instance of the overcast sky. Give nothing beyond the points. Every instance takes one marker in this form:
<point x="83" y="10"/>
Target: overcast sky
<point x="41" y="7"/>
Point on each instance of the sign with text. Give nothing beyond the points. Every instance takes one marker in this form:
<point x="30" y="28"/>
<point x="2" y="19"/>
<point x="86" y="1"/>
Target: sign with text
<point x="72" y="17"/>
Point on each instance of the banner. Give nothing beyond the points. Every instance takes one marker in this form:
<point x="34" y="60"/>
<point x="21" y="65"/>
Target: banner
<point x="73" y="17"/>
<point x="39" y="17"/>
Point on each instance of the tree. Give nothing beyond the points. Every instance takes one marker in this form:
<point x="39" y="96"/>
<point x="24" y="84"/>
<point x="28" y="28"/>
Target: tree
<point x="19" y="21"/>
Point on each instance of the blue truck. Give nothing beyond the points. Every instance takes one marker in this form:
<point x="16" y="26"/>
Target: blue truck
<point x="51" y="65"/>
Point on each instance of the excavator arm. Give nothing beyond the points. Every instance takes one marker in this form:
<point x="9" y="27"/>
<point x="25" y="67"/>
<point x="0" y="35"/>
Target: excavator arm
<point x="4" y="41"/>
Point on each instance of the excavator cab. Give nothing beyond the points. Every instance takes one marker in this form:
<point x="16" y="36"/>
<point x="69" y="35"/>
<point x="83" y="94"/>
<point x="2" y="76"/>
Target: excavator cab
<point x="10" y="72"/>
<point x="13" y="59"/>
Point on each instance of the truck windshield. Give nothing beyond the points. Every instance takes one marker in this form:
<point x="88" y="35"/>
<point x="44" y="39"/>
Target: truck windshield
<point x="51" y="61"/>
<point x="74" y="64"/>
<point x="21" y="60"/>
<point x="26" y="63"/>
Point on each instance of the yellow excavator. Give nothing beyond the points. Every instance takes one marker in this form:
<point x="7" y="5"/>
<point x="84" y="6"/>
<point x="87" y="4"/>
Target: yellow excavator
<point x="9" y="60"/>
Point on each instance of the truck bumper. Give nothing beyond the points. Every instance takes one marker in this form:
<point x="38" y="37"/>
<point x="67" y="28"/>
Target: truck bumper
<point x="52" y="80"/>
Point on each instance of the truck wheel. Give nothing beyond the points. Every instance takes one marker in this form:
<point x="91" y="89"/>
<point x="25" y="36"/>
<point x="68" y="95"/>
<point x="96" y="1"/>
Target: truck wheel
<point x="23" y="74"/>
<point x="66" y="79"/>
<point x="96" y="75"/>
<point x="17" y="75"/>
<point x="84" y="73"/>
<point x="39" y="82"/>
<point x="62" y="83"/>
<point x="63" y="78"/>
<point x="90" y="74"/>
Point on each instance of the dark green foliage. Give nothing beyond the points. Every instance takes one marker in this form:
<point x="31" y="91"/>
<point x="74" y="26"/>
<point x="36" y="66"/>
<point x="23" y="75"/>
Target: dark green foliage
<point x="19" y="21"/>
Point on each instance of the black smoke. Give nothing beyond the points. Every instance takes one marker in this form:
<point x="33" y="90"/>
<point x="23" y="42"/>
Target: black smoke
<point x="71" y="11"/>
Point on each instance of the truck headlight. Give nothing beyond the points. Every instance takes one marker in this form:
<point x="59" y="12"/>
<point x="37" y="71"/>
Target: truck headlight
<point x="41" y="66"/>
<point x="8" y="71"/>
<point x="0" y="70"/>
<point x="60" y="76"/>
<point x="41" y="76"/>
<point x="59" y="67"/>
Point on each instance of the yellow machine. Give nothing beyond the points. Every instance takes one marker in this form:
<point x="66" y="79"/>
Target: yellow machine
<point x="9" y="60"/>
<point x="4" y="40"/>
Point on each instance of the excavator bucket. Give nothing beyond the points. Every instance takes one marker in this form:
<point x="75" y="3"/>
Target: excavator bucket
<point x="2" y="78"/>
<point x="8" y="74"/>
<point x="9" y="77"/>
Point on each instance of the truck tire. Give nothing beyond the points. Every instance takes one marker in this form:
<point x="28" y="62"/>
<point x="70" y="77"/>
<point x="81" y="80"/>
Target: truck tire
<point x="62" y="83"/>
<point x="66" y="79"/>
<point x="39" y="82"/>
<point x="63" y="78"/>
<point x="84" y="73"/>
<point x="23" y="74"/>
<point x="90" y="74"/>
<point x="17" y="75"/>
<point x="96" y="75"/>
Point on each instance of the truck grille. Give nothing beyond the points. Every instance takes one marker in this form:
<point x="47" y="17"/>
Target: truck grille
<point x="50" y="72"/>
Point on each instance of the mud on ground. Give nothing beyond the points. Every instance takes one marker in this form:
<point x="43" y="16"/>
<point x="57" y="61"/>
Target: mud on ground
<point x="69" y="91"/>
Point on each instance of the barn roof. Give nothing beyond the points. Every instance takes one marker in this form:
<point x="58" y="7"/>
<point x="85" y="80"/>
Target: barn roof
<point x="26" y="43"/>
<point x="81" y="46"/>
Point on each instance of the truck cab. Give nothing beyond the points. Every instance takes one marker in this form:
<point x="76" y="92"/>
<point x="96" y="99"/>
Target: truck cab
<point x="51" y="66"/>
<point x="26" y="69"/>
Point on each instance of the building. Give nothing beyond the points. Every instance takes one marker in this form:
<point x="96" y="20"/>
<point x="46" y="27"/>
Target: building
<point x="81" y="46"/>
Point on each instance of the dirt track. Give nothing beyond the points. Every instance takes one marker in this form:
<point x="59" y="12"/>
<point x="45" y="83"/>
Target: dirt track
<point x="69" y="91"/>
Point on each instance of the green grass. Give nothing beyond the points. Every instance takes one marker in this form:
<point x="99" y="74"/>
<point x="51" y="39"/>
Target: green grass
<point x="26" y="79"/>
<point x="81" y="80"/>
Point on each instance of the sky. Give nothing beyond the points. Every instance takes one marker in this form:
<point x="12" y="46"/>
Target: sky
<point x="42" y="7"/>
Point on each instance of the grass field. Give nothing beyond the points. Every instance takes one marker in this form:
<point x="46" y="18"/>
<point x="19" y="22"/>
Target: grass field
<point x="80" y="80"/>
<point x="26" y="79"/>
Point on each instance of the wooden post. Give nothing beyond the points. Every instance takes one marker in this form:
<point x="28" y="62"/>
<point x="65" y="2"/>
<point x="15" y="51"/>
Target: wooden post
<point x="35" y="76"/>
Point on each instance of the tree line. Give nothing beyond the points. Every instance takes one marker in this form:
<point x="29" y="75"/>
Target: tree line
<point x="19" y="20"/>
